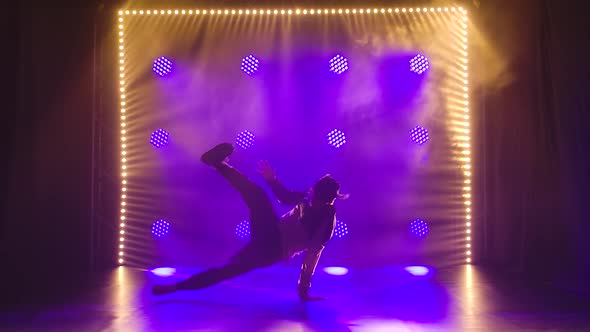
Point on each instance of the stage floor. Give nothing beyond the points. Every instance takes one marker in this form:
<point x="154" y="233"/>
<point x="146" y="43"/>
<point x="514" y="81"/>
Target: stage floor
<point x="384" y="299"/>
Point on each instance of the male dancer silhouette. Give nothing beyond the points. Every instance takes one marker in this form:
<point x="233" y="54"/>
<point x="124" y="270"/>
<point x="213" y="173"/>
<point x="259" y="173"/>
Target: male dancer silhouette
<point x="306" y="228"/>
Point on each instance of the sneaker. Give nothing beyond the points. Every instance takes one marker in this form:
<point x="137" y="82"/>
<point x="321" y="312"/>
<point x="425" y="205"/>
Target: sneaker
<point x="163" y="289"/>
<point x="218" y="154"/>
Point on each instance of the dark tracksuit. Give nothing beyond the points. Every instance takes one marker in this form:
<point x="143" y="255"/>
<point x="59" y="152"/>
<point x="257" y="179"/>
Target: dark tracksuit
<point x="305" y="228"/>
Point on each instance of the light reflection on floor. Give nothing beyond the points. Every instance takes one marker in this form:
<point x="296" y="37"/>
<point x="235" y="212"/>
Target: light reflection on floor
<point x="379" y="299"/>
<point x="266" y="300"/>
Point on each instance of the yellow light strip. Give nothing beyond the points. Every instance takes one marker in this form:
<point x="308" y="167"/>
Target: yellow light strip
<point x="464" y="59"/>
<point x="467" y="149"/>
<point x="294" y="11"/>
<point x="122" y="96"/>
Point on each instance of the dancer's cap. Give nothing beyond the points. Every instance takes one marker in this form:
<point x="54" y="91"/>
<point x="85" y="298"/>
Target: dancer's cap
<point x="327" y="188"/>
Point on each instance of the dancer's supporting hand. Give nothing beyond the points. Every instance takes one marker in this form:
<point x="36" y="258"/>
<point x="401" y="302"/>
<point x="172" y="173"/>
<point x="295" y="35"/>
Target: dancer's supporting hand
<point x="306" y="298"/>
<point x="267" y="172"/>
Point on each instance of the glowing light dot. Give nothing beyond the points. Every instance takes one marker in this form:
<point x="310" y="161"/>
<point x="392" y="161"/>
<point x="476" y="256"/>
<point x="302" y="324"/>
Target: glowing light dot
<point x="162" y="66"/>
<point x="419" y="64"/>
<point x="417" y="270"/>
<point x="160" y="138"/>
<point x="336" y="138"/>
<point x="341" y="229"/>
<point x="160" y="228"/>
<point x="242" y="230"/>
<point x="250" y="64"/>
<point x="245" y="139"/>
<point x="419" y="135"/>
<point x="336" y="270"/>
<point x="338" y="64"/>
<point x="419" y="228"/>
<point x="163" y="271"/>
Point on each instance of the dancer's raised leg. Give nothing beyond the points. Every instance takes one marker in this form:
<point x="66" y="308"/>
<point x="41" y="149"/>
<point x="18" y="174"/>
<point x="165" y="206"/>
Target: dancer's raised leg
<point x="263" y="219"/>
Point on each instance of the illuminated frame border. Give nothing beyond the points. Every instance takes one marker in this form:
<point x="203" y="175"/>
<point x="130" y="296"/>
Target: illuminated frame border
<point x="463" y="138"/>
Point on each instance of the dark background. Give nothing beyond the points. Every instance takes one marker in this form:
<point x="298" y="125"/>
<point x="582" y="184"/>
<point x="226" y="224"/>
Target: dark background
<point x="58" y="226"/>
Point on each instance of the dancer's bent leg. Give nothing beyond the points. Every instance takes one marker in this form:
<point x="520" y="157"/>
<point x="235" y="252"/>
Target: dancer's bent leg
<point x="214" y="275"/>
<point x="262" y="215"/>
<point x="263" y="219"/>
<point x="253" y="195"/>
<point x="254" y="255"/>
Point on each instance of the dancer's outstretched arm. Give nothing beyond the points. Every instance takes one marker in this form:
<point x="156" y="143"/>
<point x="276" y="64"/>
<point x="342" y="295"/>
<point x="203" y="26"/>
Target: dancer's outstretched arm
<point x="284" y="195"/>
<point x="310" y="262"/>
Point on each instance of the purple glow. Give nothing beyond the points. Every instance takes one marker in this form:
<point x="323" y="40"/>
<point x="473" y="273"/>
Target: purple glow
<point x="250" y="64"/>
<point x="419" y="135"/>
<point x="245" y="139"/>
<point x="417" y="270"/>
<point x="336" y="138"/>
<point x="160" y="228"/>
<point x="419" y="64"/>
<point x="162" y="66"/>
<point x="419" y="228"/>
<point x="160" y="138"/>
<point x="243" y="230"/>
<point x="163" y="271"/>
<point x="338" y="64"/>
<point x="336" y="270"/>
<point x="341" y="229"/>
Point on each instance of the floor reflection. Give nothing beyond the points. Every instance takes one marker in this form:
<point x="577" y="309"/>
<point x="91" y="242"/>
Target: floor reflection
<point x="379" y="299"/>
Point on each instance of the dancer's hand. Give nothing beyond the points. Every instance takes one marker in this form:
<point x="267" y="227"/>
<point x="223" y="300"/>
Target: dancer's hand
<point x="304" y="297"/>
<point x="267" y="172"/>
<point x="313" y="298"/>
<point x="303" y="293"/>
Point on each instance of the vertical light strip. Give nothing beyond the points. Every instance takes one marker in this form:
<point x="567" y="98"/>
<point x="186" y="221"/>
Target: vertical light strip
<point x="467" y="147"/>
<point x="122" y="85"/>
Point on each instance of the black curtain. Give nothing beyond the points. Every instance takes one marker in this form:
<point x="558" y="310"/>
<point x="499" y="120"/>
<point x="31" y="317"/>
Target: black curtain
<point x="45" y="236"/>
<point x="532" y="137"/>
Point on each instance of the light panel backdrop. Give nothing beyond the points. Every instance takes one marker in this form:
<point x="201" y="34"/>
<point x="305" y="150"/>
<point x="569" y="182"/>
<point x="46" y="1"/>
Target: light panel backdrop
<point x="394" y="98"/>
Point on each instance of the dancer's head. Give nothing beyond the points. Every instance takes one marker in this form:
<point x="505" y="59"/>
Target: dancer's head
<point x="326" y="190"/>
